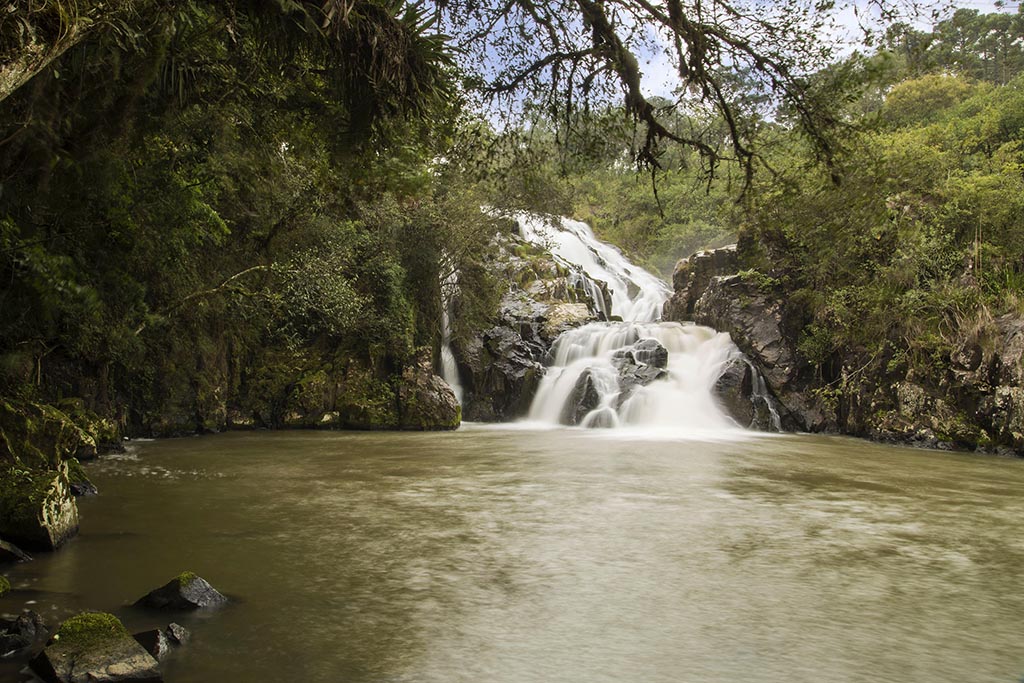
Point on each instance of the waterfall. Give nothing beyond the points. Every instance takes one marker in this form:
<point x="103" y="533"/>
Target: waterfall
<point x="449" y="369"/>
<point x="638" y="372"/>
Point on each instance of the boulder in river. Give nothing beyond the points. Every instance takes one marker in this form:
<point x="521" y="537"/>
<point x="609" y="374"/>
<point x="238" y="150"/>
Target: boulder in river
<point x="23" y="634"/>
<point x="94" y="648"/>
<point x="160" y="642"/>
<point x="584" y="398"/>
<point x="187" y="591"/>
<point x="37" y="508"/>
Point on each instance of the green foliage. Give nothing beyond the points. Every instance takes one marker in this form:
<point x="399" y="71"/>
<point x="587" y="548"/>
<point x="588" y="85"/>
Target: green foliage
<point x="5" y="586"/>
<point x="921" y="243"/>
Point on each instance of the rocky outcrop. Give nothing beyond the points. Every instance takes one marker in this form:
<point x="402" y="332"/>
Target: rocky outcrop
<point x="501" y="366"/>
<point x="691" y="278"/>
<point x="187" y="591"/>
<point x="974" y="399"/>
<point x="37" y="508"/>
<point x="425" y="401"/>
<point x="755" y="317"/>
<point x="743" y="394"/>
<point x="94" y="648"/>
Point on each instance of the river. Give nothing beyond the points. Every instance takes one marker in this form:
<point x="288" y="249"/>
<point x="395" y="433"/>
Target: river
<point x="512" y="555"/>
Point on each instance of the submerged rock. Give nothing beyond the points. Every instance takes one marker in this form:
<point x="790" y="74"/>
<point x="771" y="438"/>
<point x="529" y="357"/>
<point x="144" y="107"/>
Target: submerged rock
<point x="94" y="648"/>
<point x="187" y="591"/>
<point x="23" y="634"/>
<point x="10" y="553"/>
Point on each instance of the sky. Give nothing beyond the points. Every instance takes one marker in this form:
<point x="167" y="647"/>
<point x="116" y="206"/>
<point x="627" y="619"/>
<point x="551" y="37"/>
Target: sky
<point x="659" y="73"/>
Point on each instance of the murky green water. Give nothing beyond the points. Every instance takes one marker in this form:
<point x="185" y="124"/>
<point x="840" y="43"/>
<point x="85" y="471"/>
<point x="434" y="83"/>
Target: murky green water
<point x="520" y="556"/>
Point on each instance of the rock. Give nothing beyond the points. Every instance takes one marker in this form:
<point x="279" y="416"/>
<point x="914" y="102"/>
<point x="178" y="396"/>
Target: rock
<point x="691" y="278"/>
<point x="733" y="389"/>
<point x="584" y="398"/>
<point x="94" y="648"/>
<point x="501" y="365"/>
<point x="79" y="480"/>
<point x="187" y="591"/>
<point x="10" y="553"/>
<point x="650" y="352"/>
<point x="425" y="401"/>
<point x="159" y="643"/>
<point x="561" y="317"/>
<point x="178" y="634"/>
<point x="155" y="643"/>
<point x="26" y="633"/>
<point x="37" y="508"/>
<point x="757" y="322"/>
<point x="638" y="365"/>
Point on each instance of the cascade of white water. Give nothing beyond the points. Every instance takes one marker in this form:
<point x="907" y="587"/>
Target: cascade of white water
<point x="449" y="369"/>
<point x="614" y="374"/>
<point x="636" y="294"/>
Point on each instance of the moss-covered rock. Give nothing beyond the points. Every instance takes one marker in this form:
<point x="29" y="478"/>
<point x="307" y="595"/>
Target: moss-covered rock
<point x="426" y="402"/>
<point x="187" y="591"/>
<point x="37" y="508"/>
<point x="38" y="435"/>
<point x="94" y="648"/>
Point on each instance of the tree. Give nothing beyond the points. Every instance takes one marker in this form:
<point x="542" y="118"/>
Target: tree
<point x="563" y="57"/>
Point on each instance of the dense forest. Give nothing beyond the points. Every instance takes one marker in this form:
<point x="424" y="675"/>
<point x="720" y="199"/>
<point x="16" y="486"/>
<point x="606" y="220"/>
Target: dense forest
<point x="232" y="214"/>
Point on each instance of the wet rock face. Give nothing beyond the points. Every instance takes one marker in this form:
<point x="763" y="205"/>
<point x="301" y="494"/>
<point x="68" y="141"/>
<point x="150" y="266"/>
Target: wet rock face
<point x="638" y="365"/>
<point x="94" y="648"/>
<point x="756" y="320"/>
<point x="692" y="276"/>
<point x="37" y="508"/>
<point x="584" y="398"/>
<point x="425" y="401"/>
<point x="501" y="366"/>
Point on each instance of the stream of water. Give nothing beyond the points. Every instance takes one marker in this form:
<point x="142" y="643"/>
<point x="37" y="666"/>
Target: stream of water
<point x="527" y="556"/>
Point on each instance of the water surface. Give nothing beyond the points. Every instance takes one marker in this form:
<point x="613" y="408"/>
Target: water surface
<point x="514" y="556"/>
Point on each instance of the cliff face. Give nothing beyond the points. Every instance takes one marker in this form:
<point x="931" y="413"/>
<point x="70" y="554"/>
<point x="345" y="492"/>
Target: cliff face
<point x="974" y="400"/>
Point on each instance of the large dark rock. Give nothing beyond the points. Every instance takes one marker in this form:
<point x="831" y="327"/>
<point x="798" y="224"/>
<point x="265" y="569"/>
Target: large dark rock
<point x="755" y="318"/>
<point x="160" y="642"/>
<point x="584" y="398"/>
<point x="37" y="508"/>
<point x="10" y="553"/>
<point x="187" y="591"/>
<point x="24" y="634"/>
<point x="638" y="365"/>
<point x="94" y="648"/>
<point x="741" y="391"/>
<point x="693" y="275"/>
<point x="425" y="401"/>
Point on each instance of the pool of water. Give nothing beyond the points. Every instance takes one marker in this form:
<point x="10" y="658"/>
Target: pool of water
<point x="522" y="555"/>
